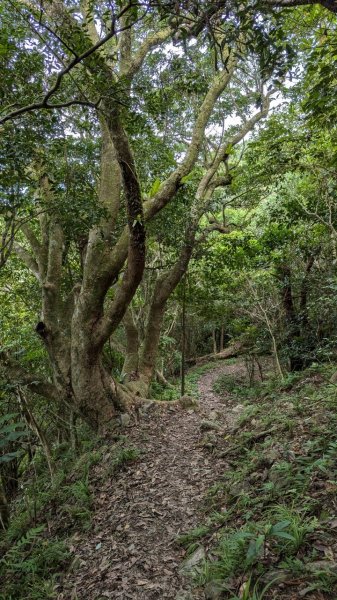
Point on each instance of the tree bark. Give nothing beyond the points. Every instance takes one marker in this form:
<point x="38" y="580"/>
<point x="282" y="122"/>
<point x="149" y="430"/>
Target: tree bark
<point x="164" y="287"/>
<point x="131" y="362"/>
<point x="297" y="319"/>
<point x="234" y="350"/>
<point x="222" y="337"/>
<point x="215" y="349"/>
<point x="296" y="360"/>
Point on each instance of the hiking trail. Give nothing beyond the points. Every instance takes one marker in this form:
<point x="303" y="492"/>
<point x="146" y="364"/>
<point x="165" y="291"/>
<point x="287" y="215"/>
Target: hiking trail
<point x="131" y="552"/>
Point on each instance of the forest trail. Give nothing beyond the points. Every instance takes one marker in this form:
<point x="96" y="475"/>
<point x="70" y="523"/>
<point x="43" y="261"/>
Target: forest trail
<point x="131" y="551"/>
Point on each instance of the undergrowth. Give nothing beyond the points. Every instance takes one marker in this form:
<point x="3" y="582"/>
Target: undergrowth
<point x="34" y="551"/>
<point x="173" y="391"/>
<point x="272" y="519"/>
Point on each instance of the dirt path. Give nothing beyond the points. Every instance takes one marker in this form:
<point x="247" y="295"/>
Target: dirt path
<point x="131" y="550"/>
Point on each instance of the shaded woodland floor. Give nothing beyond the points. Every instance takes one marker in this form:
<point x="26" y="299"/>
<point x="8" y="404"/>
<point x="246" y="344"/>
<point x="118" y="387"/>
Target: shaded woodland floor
<point x="231" y="496"/>
<point x="131" y="551"/>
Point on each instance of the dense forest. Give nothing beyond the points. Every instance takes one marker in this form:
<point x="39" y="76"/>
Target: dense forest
<point x="168" y="285"/>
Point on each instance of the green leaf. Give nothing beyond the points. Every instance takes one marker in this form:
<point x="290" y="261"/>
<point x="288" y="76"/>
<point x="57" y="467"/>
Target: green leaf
<point x="280" y="526"/>
<point x="9" y="456"/>
<point x="285" y="535"/>
<point x="187" y="178"/>
<point x="254" y="548"/>
<point x="7" y="417"/>
<point x="154" y="188"/>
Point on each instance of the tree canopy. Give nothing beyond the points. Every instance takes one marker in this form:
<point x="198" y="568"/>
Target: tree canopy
<point x="133" y="143"/>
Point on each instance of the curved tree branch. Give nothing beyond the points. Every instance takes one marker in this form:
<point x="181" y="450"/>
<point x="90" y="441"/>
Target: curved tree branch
<point x="28" y="260"/>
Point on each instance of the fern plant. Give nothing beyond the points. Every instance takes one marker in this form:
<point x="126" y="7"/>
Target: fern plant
<point x="29" y="567"/>
<point x="10" y="431"/>
<point x="13" y="557"/>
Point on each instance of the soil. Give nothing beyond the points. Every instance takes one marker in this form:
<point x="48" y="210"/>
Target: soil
<point x="131" y="551"/>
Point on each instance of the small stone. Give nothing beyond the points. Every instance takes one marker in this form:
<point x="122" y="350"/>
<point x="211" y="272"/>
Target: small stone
<point x="272" y="455"/>
<point x="188" y="402"/>
<point x="195" y="559"/>
<point x="209" y="441"/>
<point x="125" y="419"/>
<point x="214" y="415"/>
<point x="214" y="590"/>
<point x="238" y="408"/>
<point x="209" y="425"/>
<point x="146" y="406"/>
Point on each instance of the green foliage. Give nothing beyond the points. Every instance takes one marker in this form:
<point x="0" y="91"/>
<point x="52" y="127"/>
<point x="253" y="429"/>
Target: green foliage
<point x="123" y="457"/>
<point x="299" y="526"/>
<point x="11" y="431"/>
<point x="34" y="550"/>
<point x="29" y="567"/>
<point x="253" y="591"/>
<point x="278" y="488"/>
<point x="269" y="278"/>
<point x="189" y="538"/>
<point x="173" y="392"/>
<point x="226" y="383"/>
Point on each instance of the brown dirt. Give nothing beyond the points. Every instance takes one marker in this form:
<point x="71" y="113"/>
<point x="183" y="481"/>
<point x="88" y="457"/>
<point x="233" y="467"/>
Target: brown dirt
<point x="131" y="551"/>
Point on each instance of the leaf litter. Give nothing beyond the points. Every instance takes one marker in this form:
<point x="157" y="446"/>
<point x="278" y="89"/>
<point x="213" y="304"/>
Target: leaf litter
<point x="131" y="550"/>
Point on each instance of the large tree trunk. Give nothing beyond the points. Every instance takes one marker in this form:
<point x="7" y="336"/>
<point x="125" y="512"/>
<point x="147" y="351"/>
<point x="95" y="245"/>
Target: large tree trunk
<point x="164" y="287"/>
<point x="296" y="361"/>
<point x="95" y="394"/>
<point x="75" y="328"/>
<point x="152" y="337"/>
<point x="131" y="361"/>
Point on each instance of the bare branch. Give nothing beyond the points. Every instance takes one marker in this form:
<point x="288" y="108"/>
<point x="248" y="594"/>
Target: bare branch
<point x="169" y="187"/>
<point x="223" y="152"/>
